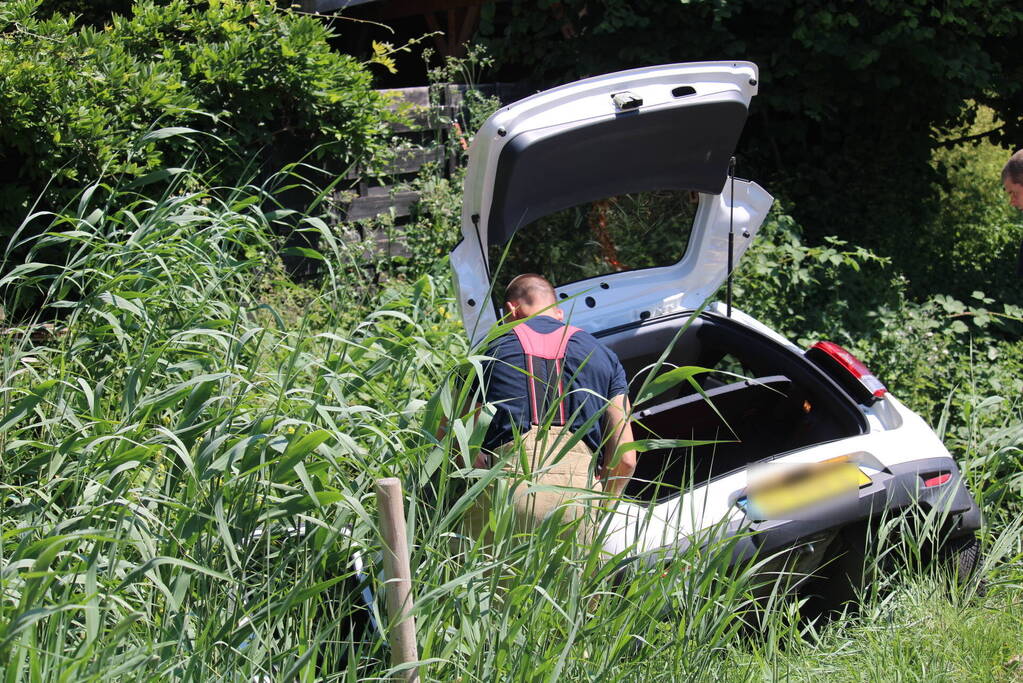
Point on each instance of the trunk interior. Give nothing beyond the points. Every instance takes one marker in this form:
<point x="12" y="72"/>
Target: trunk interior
<point x="774" y="402"/>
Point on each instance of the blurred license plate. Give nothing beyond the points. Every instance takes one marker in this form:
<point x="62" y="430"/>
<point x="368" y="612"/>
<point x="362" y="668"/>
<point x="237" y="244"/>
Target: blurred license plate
<point x="777" y="493"/>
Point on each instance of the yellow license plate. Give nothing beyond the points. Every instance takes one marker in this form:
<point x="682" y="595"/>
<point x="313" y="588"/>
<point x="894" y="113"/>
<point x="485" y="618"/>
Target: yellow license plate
<point x="779" y="493"/>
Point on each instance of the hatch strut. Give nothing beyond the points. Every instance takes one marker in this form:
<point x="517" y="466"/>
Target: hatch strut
<point x="479" y="239"/>
<point x="731" y="236"/>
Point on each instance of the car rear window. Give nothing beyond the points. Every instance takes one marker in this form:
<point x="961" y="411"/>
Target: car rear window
<point x="626" y="232"/>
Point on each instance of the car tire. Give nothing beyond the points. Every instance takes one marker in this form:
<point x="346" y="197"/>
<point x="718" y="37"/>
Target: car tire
<point x="961" y="557"/>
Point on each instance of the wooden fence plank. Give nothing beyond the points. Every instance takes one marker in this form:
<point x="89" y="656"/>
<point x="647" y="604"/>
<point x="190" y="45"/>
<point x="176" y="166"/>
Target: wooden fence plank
<point x="423" y="114"/>
<point x="413" y="104"/>
<point x="376" y="204"/>
<point x="408" y="160"/>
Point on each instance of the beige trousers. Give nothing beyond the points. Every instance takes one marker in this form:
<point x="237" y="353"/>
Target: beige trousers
<point x="546" y="479"/>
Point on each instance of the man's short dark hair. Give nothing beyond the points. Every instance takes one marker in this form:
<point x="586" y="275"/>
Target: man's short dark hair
<point x="530" y="289"/>
<point x="1013" y="169"/>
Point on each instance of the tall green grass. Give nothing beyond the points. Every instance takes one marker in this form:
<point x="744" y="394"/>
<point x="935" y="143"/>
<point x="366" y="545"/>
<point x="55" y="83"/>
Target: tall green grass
<point x="186" y="466"/>
<point x="184" y="469"/>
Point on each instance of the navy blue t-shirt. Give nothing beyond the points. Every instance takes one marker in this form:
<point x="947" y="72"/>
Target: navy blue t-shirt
<point x="588" y="365"/>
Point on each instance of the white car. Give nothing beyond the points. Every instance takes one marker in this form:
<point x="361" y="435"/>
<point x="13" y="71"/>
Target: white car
<point x="807" y="449"/>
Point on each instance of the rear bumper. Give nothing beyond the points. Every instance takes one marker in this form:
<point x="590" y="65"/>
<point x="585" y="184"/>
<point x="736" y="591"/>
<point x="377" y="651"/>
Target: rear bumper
<point x="899" y="488"/>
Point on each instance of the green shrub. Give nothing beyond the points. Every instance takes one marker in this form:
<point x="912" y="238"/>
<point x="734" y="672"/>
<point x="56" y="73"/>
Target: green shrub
<point x="804" y="291"/>
<point x="74" y="104"/>
<point x="268" y="78"/>
<point x="261" y="86"/>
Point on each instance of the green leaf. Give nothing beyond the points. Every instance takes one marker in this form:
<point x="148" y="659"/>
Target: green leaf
<point x="26" y="405"/>
<point x="137" y="573"/>
<point x="138" y="453"/>
<point x="157" y="176"/>
<point x="645" y="445"/>
<point x="298" y="504"/>
<point x="669" y="379"/>
<point x="303" y="251"/>
<point x="307" y="443"/>
<point x="164" y="133"/>
<point x="297" y="450"/>
<point x="22" y="270"/>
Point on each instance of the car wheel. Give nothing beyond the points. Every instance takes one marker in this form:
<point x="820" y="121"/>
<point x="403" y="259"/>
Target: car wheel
<point x="962" y="558"/>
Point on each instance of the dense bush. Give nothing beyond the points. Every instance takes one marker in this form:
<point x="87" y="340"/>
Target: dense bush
<point x="854" y="98"/>
<point x="974" y="240"/>
<point x="99" y="12"/>
<point x="821" y="62"/>
<point x="261" y="85"/>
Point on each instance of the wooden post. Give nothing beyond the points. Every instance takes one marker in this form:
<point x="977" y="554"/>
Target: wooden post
<point x="398" y="576"/>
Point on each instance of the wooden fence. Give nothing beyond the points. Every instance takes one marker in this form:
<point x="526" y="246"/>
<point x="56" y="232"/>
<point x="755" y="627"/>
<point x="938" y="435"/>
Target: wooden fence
<point x="431" y="135"/>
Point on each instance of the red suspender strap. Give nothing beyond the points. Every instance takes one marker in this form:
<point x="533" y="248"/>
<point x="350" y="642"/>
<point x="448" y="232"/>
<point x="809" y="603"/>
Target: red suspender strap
<point x="550" y="345"/>
<point x="540" y="349"/>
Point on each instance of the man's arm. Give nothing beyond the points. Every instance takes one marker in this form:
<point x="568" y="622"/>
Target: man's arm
<point x="469" y="405"/>
<point x="442" y="430"/>
<point x="618" y="429"/>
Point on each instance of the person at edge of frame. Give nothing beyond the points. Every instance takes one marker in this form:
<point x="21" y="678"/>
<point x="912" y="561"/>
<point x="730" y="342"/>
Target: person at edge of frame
<point x="1012" y="181"/>
<point x="542" y="373"/>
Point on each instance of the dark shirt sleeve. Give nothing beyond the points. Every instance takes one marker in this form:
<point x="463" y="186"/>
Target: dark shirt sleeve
<point x="618" y="384"/>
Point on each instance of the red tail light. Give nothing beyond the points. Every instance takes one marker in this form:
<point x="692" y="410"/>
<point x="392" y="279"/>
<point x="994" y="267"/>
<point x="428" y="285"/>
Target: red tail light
<point x="851" y="373"/>
<point x="937" y="480"/>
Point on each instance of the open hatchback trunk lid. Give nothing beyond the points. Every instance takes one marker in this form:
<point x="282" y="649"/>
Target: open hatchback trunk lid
<point x="671" y="127"/>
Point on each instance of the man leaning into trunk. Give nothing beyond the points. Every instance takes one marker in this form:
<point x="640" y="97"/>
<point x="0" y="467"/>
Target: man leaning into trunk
<point x="566" y="396"/>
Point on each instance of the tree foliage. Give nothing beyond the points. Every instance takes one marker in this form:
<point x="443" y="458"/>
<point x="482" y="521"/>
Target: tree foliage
<point x="822" y="61"/>
<point x="853" y="97"/>
<point x="257" y="83"/>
